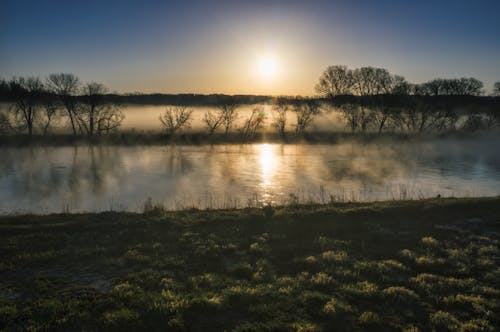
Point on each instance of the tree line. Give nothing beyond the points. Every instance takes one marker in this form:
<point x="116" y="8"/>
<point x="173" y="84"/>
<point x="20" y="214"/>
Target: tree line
<point x="367" y="99"/>
<point x="39" y="103"/>
<point x="373" y="98"/>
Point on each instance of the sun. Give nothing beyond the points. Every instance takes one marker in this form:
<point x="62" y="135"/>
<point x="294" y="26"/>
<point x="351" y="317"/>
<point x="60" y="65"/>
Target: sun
<point x="268" y="66"/>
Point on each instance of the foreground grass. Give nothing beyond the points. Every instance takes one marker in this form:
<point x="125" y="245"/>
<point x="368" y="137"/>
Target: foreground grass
<point x="419" y="265"/>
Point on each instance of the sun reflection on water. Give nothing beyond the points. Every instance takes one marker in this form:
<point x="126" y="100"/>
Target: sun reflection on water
<point x="268" y="160"/>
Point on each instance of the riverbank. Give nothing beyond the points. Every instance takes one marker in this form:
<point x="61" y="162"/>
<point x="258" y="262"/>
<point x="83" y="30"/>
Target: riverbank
<point x="195" y="138"/>
<point x="414" y="265"/>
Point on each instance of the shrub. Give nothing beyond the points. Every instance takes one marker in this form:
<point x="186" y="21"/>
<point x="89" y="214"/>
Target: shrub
<point x="369" y="318"/>
<point x="174" y="302"/>
<point x="476" y="325"/>
<point x="429" y="260"/>
<point x="321" y="278"/>
<point x="335" y="307"/>
<point x="408" y="254"/>
<point x="431" y="283"/>
<point x="385" y="267"/>
<point x="467" y="302"/>
<point x="120" y="318"/>
<point x="362" y="288"/>
<point x="443" y="321"/>
<point x="337" y="256"/>
<point x="429" y="241"/>
<point x="304" y="327"/>
<point x="400" y="294"/>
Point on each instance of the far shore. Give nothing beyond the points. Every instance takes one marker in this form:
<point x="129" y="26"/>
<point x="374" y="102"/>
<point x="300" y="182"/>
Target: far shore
<point x="200" y="138"/>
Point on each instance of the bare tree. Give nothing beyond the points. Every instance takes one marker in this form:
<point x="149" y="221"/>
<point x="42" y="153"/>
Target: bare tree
<point x="431" y="88"/>
<point x="492" y="118"/>
<point x="49" y="111"/>
<point x="280" y="108"/>
<point x="228" y="112"/>
<point x="110" y="118"/>
<point x="350" y="113"/>
<point x="94" y="115"/>
<point x="305" y="110"/>
<point x="213" y="120"/>
<point x="496" y="89"/>
<point x="401" y="86"/>
<point x="176" y="118"/>
<point x="5" y="124"/>
<point x="451" y="87"/>
<point x="66" y="87"/>
<point x="253" y="123"/>
<point x="335" y="81"/>
<point x="27" y="94"/>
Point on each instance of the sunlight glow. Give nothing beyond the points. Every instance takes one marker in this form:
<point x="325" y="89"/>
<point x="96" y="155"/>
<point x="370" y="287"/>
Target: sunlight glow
<point x="268" y="66"/>
<point x="268" y="161"/>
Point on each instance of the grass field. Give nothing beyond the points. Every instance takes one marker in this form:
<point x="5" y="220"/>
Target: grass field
<point x="396" y="266"/>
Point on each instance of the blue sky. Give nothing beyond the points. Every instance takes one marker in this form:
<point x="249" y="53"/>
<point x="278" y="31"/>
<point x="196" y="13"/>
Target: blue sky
<point x="213" y="46"/>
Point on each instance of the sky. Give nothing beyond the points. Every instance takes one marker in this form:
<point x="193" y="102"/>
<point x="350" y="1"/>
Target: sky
<point x="246" y="47"/>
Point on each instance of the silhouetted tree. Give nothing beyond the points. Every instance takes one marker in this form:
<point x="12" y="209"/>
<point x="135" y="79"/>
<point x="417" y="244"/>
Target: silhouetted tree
<point x="401" y="86"/>
<point x="94" y="115"/>
<point x="27" y="100"/>
<point x="280" y="108"/>
<point x="5" y="124"/>
<point x="451" y="87"/>
<point x="49" y="107"/>
<point x="496" y="89"/>
<point x="492" y="118"/>
<point x="383" y="85"/>
<point x="474" y="122"/>
<point x="305" y="110"/>
<point x="335" y="81"/>
<point x="66" y="87"/>
<point x="253" y="123"/>
<point x="4" y="89"/>
<point x="431" y="88"/>
<point x="228" y="112"/>
<point x="350" y="114"/>
<point x="176" y="118"/>
<point x="213" y="120"/>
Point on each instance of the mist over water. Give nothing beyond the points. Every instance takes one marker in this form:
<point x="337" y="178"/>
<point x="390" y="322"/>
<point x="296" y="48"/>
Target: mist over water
<point x="98" y="178"/>
<point x="145" y="118"/>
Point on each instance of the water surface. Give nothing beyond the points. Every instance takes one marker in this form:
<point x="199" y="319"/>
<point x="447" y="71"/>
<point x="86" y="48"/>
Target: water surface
<point x="97" y="178"/>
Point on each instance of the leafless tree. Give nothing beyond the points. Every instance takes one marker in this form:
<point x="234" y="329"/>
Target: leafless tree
<point x="49" y="111"/>
<point x="66" y="87"/>
<point x="335" y="81"/>
<point x="213" y="120"/>
<point x="496" y="89"/>
<point x="401" y="86"/>
<point x="229" y="114"/>
<point x="492" y="118"/>
<point x="110" y="118"/>
<point x="451" y="87"/>
<point x="423" y="117"/>
<point x="474" y="122"/>
<point x="305" y="110"/>
<point x="350" y="113"/>
<point x="176" y="118"/>
<point x="5" y="124"/>
<point x="253" y="123"/>
<point x="384" y="115"/>
<point x="280" y="108"/>
<point x="94" y="115"/>
<point x="27" y="94"/>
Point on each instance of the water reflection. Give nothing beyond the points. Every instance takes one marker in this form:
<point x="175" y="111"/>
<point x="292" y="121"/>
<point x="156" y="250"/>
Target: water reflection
<point x="95" y="178"/>
<point x="268" y="160"/>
